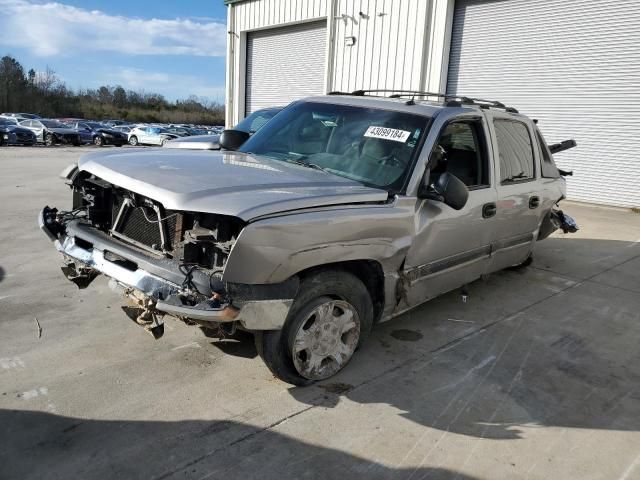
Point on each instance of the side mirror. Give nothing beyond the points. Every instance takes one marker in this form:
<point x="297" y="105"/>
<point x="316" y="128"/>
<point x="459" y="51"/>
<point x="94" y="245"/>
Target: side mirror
<point x="450" y="190"/>
<point x="233" y="139"/>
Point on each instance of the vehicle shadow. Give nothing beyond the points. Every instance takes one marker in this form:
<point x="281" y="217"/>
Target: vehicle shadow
<point x="1" y="274"/>
<point x="567" y="356"/>
<point x="240" y="344"/>
<point x="43" y="445"/>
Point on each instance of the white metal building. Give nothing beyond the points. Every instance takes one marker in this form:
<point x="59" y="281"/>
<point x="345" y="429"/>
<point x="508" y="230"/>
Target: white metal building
<point x="572" y="64"/>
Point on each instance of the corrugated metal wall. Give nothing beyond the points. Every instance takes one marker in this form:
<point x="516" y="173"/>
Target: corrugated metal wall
<point x="254" y="14"/>
<point x="389" y="48"/>
<point x="574" y="65"/>
<point x="391" y="37"/>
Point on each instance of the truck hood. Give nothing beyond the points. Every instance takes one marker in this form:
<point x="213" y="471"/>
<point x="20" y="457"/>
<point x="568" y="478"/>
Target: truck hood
<point x="227" y="183"/>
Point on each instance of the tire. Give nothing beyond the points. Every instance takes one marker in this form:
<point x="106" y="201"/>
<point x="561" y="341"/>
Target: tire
<point x="165" y="140"/>
<point x="133" y="141"/>
<point x="118" y="144"/>
<point x="49" y="140"/>
<point x="342" y="293"/>
<point x="98" y="141"/>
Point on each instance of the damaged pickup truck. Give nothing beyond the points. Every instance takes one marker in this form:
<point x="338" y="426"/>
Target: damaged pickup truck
<point x="343" y="211"/>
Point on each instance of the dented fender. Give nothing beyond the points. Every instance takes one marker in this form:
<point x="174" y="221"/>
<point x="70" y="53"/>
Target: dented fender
<point x="271" y="250"/>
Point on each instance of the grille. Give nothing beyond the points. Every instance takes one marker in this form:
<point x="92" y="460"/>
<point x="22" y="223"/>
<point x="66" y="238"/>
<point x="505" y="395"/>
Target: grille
<point x="135" y="226"/>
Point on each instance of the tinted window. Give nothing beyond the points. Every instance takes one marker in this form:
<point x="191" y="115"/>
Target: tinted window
<point x="549" y="169"/>
<point x="369" y="145"/>
<point x="515" y="150"/>
<point x="461" y="152"/>
<point x="51" y="124"/>
<point x="256" y="120"/>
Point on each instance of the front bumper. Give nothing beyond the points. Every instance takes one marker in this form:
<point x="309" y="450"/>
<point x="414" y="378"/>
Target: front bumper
<point x="160" y="280"/>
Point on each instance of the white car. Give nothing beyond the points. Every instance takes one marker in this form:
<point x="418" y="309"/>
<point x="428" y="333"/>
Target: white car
<point x="150" y="136"/>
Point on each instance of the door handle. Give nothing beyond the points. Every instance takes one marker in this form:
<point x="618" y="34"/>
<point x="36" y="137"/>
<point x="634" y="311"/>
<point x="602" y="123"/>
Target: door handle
<point x="489" y="210"/>
<point x="534" y="202"/>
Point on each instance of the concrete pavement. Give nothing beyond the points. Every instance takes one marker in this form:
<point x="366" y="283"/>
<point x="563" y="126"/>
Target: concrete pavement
<point x="536" y="376"/>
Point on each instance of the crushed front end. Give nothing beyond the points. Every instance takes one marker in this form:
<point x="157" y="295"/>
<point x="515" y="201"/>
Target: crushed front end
<point x="165" y="262"/>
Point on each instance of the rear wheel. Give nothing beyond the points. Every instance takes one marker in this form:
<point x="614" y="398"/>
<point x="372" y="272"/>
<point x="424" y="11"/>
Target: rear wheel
<point x="330" y="317"/>
<point x="133" y="141"/>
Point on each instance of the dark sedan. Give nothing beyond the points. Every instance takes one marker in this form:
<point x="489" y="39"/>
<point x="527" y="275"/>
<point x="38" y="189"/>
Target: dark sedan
<point x="11" y="134"/>
<point x="99" y="135"/>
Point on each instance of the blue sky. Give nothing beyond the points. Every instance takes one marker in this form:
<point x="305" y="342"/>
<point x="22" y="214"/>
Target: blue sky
<point x="176" y="48"/>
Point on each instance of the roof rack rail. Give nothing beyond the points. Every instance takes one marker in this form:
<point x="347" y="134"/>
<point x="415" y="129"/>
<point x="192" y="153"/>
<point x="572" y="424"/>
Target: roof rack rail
<point x="451" y="100"/>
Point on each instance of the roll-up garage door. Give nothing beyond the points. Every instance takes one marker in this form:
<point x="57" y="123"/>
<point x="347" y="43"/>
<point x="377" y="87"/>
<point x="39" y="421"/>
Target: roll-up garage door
<point x="285" y="64"/>
<point x="572" y="64"/>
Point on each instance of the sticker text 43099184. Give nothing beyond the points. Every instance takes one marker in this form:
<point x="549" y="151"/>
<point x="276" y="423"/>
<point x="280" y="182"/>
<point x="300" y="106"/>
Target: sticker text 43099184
<point x="387" y="134"/>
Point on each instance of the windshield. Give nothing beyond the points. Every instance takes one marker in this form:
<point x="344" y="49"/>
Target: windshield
<point x="369" y="145"/>
<point x="53" y="124"/>
<point x="256" y="120"/>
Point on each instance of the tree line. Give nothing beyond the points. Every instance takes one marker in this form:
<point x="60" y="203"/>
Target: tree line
<point x="46" y="95"/>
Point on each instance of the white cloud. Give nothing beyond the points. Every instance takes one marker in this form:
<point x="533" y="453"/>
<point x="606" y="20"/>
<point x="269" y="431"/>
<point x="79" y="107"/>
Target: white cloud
<point x="171" y="85"/>
<point x="52" y="28"/>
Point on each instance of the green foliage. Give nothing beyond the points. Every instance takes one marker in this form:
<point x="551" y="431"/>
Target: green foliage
<point x="45" y="94"/>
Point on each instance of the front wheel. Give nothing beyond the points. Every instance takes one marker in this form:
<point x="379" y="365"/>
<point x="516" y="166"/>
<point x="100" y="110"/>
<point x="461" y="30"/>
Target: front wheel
<point x="133" y="141"/>
<point x="48" y="139"/>
<point x="330" y="317"/>
<point x="97" y="141"/>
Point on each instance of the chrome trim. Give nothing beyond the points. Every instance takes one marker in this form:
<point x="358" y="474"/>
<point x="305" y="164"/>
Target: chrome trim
<point x="141" y="280"/>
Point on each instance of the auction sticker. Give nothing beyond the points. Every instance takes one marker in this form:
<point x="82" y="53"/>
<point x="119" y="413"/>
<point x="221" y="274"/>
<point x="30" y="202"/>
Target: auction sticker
<point x="387" y="134"/>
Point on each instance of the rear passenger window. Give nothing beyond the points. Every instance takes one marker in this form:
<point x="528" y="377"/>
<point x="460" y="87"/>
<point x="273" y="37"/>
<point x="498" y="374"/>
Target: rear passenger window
<point x="548" y="166"/>
<point x="516" y="151"/>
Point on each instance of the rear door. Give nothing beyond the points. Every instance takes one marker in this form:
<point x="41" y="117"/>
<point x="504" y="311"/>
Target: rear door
<point x="453" y="247"/>
<point x="520" y="197"/>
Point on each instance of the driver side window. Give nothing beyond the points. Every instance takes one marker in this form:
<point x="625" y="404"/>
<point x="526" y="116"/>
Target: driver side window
<point x="461" y="151"/>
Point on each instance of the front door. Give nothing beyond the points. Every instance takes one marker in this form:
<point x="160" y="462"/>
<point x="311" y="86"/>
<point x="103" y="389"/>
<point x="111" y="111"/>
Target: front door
<point x="452" y="247"/>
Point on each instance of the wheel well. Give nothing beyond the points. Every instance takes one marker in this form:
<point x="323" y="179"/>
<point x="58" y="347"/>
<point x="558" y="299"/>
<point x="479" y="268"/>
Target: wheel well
<point x="369" y="272"/>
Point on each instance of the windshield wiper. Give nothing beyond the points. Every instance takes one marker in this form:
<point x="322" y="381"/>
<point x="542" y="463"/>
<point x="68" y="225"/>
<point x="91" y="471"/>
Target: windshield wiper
<point x="300" y="161"/>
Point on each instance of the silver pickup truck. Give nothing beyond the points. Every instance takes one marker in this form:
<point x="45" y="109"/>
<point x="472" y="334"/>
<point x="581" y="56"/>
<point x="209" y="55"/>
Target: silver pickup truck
<point x="343" y="211"/>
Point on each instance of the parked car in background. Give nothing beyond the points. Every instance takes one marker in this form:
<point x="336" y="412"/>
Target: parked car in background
<point x="12" y="134"/>
<point x="123" y="129"/>
<point x="179" y="131"/>
<point x="22" y="116"/>
<point x="99" y="135"/>
<point x="150" y="136"/>
<point x="10" y="120"/>
<point x="113" y="123"/>
<point x="250" y="124"/>
<point x="52" y="132"/>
